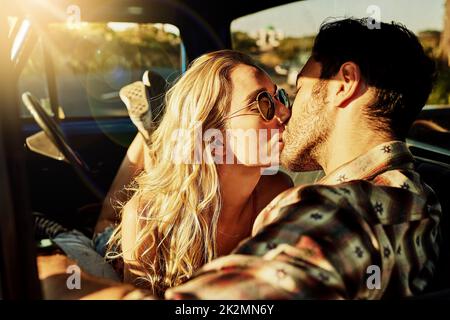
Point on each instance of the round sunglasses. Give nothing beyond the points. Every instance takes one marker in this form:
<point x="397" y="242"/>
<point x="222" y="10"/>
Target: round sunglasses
<point x="266" y="104"/>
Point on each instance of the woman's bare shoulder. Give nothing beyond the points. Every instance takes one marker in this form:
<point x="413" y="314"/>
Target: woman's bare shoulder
<point x="130" y="209"/>
<point x="129" y="226"/>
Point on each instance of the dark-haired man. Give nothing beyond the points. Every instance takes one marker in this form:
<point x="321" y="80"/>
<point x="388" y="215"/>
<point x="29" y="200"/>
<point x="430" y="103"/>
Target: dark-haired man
<point x="370" y="228"/>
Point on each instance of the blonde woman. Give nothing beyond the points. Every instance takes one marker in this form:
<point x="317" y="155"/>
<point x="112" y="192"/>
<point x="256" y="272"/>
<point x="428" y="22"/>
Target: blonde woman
<point x="203" y="188"/>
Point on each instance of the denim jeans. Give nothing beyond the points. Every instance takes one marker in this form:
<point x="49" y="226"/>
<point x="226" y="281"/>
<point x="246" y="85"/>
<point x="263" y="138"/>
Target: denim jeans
<point x="88" y="253"/>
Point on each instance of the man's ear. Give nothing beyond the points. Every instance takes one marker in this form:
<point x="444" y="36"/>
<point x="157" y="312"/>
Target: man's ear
<point x="347" y="81"/>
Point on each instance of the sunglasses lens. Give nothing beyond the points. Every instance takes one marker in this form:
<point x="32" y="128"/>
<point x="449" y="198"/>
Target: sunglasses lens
<point x="266" y="105"/>
<point x="283" y="97"/>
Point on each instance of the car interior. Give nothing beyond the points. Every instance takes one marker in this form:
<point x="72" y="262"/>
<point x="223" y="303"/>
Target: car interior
<point x="75" y="130"/>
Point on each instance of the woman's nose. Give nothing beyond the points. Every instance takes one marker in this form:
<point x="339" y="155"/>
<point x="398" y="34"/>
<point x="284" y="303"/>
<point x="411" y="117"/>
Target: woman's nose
<point x="282" y="113"/>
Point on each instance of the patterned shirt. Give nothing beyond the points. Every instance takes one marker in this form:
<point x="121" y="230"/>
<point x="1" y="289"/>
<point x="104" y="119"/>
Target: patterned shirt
<point x="368" y="230"/>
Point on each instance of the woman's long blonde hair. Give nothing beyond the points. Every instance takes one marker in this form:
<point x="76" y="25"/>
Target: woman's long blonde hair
<point x="180" y="203"/>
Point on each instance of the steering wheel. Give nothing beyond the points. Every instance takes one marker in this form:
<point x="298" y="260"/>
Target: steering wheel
<point x="55" y="134"/>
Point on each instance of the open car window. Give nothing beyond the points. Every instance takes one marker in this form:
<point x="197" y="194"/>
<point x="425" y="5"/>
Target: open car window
<point x="90" y="63"/>
<point x="281" y="39"/>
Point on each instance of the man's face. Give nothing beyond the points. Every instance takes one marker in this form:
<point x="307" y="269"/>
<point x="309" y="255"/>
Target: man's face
<point x="310" y="124"/>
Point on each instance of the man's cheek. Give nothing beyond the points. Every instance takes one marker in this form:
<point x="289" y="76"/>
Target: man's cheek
<point x="295" y="105"/>
<point x="293" y="124"/>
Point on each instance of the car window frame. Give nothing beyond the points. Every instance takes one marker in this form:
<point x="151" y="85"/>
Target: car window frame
<point x="18" y="265"/>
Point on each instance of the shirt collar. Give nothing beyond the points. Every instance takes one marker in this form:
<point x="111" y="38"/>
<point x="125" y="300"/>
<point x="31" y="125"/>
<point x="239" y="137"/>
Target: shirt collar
<point x="383" y="157"/>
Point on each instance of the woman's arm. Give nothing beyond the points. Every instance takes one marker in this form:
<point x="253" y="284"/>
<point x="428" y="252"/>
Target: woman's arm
<point x="129" y="238"/>
<point x="131" y="165"/>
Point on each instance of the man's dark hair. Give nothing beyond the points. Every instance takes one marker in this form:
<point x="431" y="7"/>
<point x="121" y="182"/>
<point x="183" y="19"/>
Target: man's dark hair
<point x="390" y="58"/>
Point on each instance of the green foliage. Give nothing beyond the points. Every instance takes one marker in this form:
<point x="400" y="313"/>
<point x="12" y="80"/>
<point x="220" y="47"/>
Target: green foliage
<point x="440" y="94"/>
<point x="441" y="90"/>
<point x="290" y="48"/>
<point x="95" y="47"/>
<point x="243" y="42"/>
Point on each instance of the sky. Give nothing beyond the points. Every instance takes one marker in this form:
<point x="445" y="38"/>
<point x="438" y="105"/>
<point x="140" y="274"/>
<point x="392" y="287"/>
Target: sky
<point x="304" y="17"/>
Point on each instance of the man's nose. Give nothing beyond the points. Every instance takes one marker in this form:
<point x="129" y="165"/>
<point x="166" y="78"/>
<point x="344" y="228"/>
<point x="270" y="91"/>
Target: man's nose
<point x="282" y="113"/>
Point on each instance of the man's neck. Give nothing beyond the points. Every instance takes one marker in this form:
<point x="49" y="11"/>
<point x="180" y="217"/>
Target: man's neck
<point x="345" y="145"/>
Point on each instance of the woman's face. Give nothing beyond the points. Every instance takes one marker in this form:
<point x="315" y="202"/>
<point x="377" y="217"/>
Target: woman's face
<point x="253" y="140"/>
